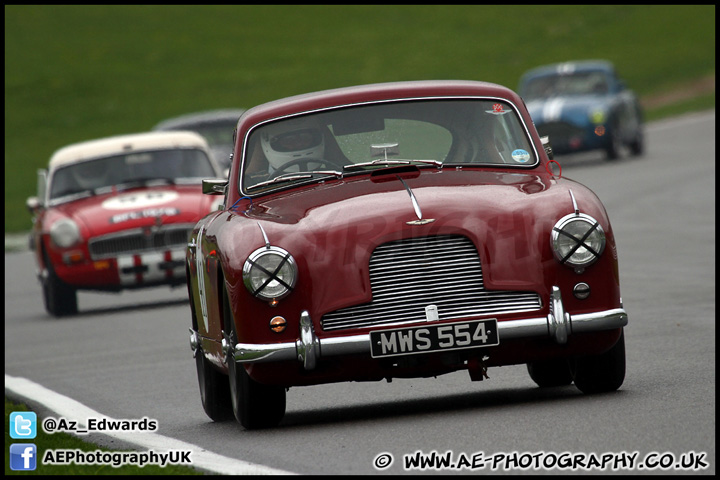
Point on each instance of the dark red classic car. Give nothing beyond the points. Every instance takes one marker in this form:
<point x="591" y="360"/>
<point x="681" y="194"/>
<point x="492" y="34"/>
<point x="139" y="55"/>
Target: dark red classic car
<point x="398" y="230"/>
<point x="116" y="213"/>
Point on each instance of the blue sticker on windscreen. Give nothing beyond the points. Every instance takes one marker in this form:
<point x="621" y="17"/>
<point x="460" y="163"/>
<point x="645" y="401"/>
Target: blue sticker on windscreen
<point x="520" y="155"/>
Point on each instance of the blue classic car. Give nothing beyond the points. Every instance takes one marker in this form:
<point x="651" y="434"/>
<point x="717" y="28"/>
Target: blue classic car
<point x="583" y="106"/>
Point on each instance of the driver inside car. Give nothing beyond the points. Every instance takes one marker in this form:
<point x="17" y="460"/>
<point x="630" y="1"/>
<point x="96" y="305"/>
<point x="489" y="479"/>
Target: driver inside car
<point x="296" y="145"/>
<point x="92" y="174"/>
<point x="289" y="146"/>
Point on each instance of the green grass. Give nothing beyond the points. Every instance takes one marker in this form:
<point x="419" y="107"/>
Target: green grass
<point x="64" y="441"/>
<point x="700" y="102"/>
<point x="74" y="73"/>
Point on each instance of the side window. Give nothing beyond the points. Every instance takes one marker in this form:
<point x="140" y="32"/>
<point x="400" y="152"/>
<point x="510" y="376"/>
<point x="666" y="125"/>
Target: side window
<point x="492" y="134"/>
<point x="512" y="142"/>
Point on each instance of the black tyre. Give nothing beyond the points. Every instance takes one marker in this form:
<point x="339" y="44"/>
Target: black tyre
<point x="612" y="150"/>
<point x="550" y="373"/>
<point x="255" y="405"/>
<point x="214" y="385"/>
<point x="60" y="299"/>
<point x="601" y="373"/>
<point x="214" y="389"/>
<point x="637" y="146"/>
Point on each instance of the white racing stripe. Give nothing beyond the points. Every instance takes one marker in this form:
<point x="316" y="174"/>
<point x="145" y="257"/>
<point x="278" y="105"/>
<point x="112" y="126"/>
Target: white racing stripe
<point x="70" y="409"/>
<point x="553" y="109"/>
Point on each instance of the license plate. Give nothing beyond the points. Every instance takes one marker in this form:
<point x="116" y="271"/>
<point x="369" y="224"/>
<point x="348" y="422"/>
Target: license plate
<point x="434" y="338"/>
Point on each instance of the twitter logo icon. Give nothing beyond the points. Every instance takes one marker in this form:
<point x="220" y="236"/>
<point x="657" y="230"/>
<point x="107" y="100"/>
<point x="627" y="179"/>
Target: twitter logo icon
<point x="23" y="425"/>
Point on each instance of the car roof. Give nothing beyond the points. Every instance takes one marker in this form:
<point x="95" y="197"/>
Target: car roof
<point x="210" y="116"/>
<point x="574" y="66"/>
<point x="376" y="92"/>
<point x="124" y="143"/>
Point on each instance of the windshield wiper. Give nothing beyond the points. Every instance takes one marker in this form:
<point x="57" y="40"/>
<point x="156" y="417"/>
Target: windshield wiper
<point x="292" y="176"/>
<point x="69" y="196"/>
<point x="384" y="163"/>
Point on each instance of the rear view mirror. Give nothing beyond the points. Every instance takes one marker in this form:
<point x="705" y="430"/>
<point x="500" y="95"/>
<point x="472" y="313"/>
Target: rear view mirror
<point x="214" y="186"/>
<point x="32" y="204"/>
<point x="548" y="148"/>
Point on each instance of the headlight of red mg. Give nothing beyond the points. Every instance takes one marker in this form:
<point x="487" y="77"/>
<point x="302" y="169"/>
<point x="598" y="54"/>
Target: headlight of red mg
<point x="65" y="233"/>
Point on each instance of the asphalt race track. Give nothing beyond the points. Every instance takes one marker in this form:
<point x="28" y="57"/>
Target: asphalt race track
<point x="127" y="356"/>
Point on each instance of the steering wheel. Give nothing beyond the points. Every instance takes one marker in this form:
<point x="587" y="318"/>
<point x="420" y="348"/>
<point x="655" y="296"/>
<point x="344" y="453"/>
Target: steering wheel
<point x="304" y="164"/>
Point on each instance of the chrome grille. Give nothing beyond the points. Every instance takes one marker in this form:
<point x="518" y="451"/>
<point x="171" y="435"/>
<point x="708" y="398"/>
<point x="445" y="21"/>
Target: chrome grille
<point x="408" y="275"/>
<point x="559" y="129"/>
<point x="140" y="240"/>
<point x="560" y="133"/>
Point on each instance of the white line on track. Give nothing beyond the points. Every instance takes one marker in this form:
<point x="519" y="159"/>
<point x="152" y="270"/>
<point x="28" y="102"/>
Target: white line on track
<point x="70" y="409"/>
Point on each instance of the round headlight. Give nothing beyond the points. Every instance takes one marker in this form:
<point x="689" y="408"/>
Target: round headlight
<point x="270" y="273"/>
<point x="578" y="240"/>
<point x="64" y="233"/>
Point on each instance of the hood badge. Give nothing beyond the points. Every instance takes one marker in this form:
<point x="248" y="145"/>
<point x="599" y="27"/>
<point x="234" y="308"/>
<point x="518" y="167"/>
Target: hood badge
<point x="422" y="221"/>
<point x="416" y="206"/>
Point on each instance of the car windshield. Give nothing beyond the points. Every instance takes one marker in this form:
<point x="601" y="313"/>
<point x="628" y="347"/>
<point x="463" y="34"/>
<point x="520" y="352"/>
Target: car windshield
<point x="169" y="166"/>
<point x="356" y="139"/>
<point x="562" y="84"/>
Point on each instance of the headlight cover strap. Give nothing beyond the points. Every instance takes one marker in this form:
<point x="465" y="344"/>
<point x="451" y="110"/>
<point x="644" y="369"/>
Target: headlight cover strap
<point x="270" y="273"/>
<point x="577" y="240"/>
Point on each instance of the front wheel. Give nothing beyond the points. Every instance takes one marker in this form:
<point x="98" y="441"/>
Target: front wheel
<point x="214" y="389"/>
<point x="550" y="373"/>
<point x="255" y="405"/>
<point x="612" y="150"/>
<point x="637" y="146"/>
<point x="60" y="298"/>
<point x="601" y="373"/>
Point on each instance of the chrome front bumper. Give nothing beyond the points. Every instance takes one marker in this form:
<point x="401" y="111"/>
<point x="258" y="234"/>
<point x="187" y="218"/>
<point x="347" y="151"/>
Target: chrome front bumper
<point x="558" y="324"/>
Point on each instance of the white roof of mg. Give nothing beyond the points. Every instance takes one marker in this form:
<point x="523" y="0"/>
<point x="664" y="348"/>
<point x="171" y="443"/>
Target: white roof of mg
<point x="105" y="147"/>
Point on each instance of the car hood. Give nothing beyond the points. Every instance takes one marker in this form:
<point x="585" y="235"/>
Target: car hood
<point x="334" y="227"/>
<point x="577" y="108"/>
<point x="137" y="208"/>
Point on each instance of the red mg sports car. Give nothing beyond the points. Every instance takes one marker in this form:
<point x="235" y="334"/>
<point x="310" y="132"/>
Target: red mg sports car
<point x="398" y="230"/>
<point x="116" y="213"/>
